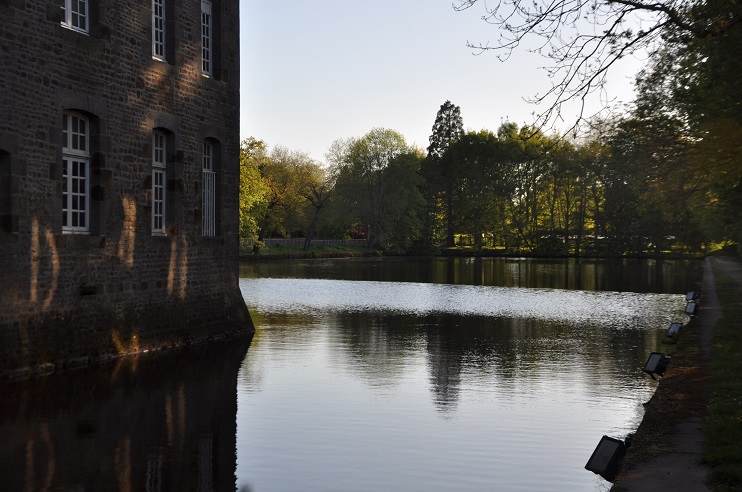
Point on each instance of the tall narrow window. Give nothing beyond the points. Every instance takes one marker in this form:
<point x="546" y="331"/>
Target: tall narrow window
<point x="209" y="191"/>
<point x="76" y="14"/>
<point x="158" y="29"/>
<point x="159" y="171"/>
<point x="206" y="37"/>
<point x="75" y="174"/>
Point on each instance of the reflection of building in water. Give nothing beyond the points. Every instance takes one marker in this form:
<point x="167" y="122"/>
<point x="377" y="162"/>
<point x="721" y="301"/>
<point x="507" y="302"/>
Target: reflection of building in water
<point x="119" y="178"/>
<point x="152" y="423"/>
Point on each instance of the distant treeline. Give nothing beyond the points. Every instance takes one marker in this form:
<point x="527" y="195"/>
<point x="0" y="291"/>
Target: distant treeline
<point x="631" y="191"/>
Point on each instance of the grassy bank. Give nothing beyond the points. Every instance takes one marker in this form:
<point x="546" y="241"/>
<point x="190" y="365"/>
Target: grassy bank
<point x="284" y="253"/>
<point x="723" y="454"/>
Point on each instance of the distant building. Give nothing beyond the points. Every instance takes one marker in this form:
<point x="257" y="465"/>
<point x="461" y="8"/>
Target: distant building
<point x="119" y="178"/>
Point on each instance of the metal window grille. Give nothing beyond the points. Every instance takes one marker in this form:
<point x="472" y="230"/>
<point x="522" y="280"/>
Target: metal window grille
<point x="76" y="14"/>
<point x="159" y="165"/>
<point x="206" y="37"/>
<point x="153" y="481"/>
<point x="75" y="174"/>
<point x="209" y="191"/>
<point x="158" y="29"/>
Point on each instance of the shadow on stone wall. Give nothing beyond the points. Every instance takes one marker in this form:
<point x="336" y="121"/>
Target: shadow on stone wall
<point x="154" y="422"/>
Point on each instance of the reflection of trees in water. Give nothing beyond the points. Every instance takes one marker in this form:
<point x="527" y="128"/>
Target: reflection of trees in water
<point x="508" y="356"/>
<point x="635" y="275"/>
<point x="377" y="346"/>
<point x="444" y="365"/>
<point x="471" y="345"/>
<point x="515" y="356"/>
<point x="276" y="334"/>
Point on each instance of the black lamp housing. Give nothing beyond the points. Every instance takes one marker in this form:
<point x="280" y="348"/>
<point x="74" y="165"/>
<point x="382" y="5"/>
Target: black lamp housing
<point x="606" y="459"/>
<point x="674" y="329"/>
<point x="656" y="364"/>
<point x="691" y="308"/>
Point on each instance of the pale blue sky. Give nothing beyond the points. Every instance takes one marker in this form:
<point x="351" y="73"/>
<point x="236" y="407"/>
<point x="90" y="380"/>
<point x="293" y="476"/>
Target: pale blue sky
<point x="315" y="71"/>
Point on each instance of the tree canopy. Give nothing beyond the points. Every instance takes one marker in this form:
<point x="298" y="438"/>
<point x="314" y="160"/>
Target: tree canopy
<point x="377" y="187"/>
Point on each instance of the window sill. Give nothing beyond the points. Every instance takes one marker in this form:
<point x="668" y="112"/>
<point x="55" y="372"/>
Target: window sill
<point x="74" y="29"/>
<point x="158" y="62"/>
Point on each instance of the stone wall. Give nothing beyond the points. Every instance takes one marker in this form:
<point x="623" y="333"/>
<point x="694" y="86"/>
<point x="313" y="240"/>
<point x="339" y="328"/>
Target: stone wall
<point x="75" y="298"/>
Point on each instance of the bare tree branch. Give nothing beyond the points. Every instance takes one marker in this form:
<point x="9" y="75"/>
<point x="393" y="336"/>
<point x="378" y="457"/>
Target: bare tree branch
<point x="584" y="39"/>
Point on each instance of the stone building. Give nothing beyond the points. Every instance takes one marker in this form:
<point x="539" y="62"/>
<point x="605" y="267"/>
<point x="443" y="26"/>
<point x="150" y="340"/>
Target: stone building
<point x="119" y="179"/>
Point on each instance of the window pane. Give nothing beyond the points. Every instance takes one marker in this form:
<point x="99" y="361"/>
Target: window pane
<point x="206" y="36"/>
<point x="207" y="157"/>
<point x="158" y="28"/>
<point x="158" y="200"/>
<point x="75" y="162"/>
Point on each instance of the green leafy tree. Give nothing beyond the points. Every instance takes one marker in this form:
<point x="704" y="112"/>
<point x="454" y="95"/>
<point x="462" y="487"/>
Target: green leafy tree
<point x="480" y="188"/>
<point x="649" y="162"/>
<point x="562" y="191"/>
<point x="693" y="78"/>
<point x="253" y="190"/>
<point x="288" y="174"/>
<point x="377" y="187"/>
<point x="526" y="149"/>
<point x="317" y="191"/>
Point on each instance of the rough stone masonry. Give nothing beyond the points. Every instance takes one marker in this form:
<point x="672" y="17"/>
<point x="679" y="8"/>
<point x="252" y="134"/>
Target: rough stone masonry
<point x="119" y="179"/>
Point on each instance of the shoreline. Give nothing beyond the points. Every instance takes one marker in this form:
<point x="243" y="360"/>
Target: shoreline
<point x="667" y="448"/>
<point x="310" y="255"/>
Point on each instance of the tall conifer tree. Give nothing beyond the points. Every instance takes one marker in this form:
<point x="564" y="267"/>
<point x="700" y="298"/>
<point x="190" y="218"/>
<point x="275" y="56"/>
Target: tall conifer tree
<point x="448" y="128"/>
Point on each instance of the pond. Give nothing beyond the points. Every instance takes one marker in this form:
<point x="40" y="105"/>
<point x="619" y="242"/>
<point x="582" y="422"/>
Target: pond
<point x="446" y="374"/>
<point x="368" y="374"/>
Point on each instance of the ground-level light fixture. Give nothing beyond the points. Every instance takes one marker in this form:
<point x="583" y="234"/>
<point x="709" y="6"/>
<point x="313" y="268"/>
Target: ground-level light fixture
<point x="656" y="364"/>
<point x="691" y="308"/>
<point x="606" y="459"/>
<point x="674" y="329"/>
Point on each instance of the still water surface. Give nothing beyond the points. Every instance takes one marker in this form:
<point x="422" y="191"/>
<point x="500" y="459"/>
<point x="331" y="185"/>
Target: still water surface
<point x="367" y="375"/>
<point x="411" y="375"/>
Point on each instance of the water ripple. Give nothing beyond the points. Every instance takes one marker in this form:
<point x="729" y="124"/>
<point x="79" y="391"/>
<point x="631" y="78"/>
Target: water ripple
<point x="316" y="295"/>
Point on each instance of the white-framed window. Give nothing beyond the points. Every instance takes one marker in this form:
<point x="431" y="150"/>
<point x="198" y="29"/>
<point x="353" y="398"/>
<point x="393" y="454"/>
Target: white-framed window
<point x="76" y="14"/>
<point x="209" y="191"/>
<point x="206" y="37"/>
<point x="75" y="174"/>
<point x="158" y="29"/>
<point x="159" y="175"/>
